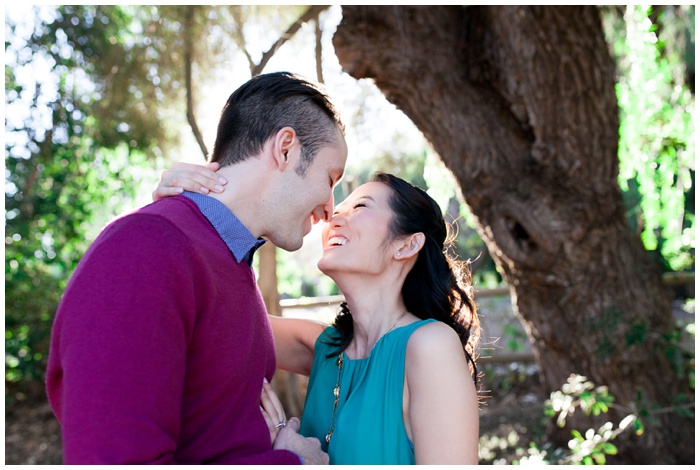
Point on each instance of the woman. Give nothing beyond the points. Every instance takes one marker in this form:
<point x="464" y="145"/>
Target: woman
<point x="393" y="380"/>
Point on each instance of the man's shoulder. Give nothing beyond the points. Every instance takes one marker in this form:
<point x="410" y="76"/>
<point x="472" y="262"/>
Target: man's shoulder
<point x="169" y="207"/>
<point x="169" y="211"/>
<point x="175" y="217"/>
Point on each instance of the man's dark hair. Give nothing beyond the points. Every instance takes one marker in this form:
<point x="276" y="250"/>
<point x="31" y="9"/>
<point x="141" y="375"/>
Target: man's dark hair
<point x="267" y="103"/>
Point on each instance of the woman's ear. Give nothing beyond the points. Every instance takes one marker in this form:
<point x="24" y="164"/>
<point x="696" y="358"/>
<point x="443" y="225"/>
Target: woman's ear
<point x="285" y="141"/>
<point x="410" y="246"/>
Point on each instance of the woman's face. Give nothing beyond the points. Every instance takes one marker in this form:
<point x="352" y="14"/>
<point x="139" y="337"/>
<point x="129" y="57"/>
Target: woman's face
<point x="355" y="240"/>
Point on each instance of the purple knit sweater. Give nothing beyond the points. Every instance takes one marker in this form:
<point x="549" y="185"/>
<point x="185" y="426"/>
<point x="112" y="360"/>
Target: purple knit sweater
<point x="159" y="347"/>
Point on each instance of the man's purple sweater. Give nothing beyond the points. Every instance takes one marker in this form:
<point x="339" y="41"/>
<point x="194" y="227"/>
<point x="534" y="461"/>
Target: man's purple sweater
<point x="159" y="347"/>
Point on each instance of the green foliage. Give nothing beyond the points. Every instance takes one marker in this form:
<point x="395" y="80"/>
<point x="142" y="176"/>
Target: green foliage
<point x="589" y="447"/>
<point x="578" y="391"/>
<point x="515" y="338"/>
<point x="592" y="446"/>
<point x="296" y="278"/>
<point x="636" y="333"/>
<point x="657" y="138"/>
<point x="71" y="164"/>
<point x="602" y="328"/>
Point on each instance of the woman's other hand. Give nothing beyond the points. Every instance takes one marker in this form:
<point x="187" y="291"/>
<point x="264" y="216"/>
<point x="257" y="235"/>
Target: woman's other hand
<point x="272" y="410"/>
<point x="189" y="177"/>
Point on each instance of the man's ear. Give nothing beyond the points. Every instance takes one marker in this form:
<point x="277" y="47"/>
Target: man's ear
<point x="284" y="148"/>
<point x="410" y="246"/>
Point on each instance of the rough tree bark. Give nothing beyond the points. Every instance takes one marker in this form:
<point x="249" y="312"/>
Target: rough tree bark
<point x="519" y="102"/>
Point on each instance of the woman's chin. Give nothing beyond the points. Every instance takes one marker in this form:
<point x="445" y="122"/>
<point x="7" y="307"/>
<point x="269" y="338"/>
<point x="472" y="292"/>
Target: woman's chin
<point x="322" y="266"/>
<point x="326" y="267"/>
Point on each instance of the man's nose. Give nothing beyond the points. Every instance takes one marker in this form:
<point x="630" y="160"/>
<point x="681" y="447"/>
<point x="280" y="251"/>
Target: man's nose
<point x="328" y="209"/>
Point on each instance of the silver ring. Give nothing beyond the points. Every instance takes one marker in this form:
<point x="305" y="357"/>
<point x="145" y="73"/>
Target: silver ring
<point x="281" y="424"/>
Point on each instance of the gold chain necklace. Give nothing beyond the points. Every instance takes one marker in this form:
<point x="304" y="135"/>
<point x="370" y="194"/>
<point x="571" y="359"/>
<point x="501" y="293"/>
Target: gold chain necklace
<point x="336" y="390"/>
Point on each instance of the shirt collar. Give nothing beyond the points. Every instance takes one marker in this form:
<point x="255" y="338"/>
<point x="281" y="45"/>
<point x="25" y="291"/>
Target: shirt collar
<point x="237" y="237"/>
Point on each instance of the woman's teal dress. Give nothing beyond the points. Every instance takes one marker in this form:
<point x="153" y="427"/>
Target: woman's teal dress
<point x="369" y="426"/>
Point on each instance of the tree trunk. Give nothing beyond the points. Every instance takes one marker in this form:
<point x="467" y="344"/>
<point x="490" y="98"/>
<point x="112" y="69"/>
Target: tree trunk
<point x="285" y="384"/>
<point x="519" y="102"/>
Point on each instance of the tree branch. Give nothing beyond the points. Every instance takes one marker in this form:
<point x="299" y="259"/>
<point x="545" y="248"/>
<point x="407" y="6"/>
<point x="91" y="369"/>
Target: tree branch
<point x="312" y="13"/>
<point x="238" y="36"/>
<point x="319" y="51"/>
<point x="189" y="15"/>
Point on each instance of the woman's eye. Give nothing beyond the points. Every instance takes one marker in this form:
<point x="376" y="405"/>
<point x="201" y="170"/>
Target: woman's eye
<point x="359" y="204"/>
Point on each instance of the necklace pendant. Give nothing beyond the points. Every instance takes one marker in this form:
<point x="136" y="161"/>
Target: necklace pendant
<point x="336" y="394"/>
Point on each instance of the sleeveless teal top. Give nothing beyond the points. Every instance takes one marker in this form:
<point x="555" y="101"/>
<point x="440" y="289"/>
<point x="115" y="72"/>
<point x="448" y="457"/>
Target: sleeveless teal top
<point x="369" y="426"/>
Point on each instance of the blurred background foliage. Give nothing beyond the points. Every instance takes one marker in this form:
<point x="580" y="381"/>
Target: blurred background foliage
<point x="100" y="99"/>
<point x="655" y="55"/>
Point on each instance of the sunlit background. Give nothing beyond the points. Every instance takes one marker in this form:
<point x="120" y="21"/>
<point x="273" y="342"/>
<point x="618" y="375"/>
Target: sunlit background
<point x="379" y="136"/>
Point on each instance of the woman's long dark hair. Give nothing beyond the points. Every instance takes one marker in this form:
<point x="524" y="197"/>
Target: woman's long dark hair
<point x="438" y="286"/>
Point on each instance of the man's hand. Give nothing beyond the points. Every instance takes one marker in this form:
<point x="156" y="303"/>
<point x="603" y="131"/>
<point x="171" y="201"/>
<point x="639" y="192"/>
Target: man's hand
<point x="308" y="448"/>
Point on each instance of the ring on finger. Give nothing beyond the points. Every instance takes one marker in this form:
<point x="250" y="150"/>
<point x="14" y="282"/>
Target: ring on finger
<point x="281" y="424"/>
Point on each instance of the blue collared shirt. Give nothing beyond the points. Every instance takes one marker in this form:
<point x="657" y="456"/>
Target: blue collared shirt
<point x="239" y="240"/>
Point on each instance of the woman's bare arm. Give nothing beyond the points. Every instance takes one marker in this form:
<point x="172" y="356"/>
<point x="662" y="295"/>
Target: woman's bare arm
<point x="294" y="342"/>
<point x="442" y="405"/>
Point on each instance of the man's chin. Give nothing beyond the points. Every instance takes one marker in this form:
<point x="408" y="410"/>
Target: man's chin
<point x="289" y="245"/>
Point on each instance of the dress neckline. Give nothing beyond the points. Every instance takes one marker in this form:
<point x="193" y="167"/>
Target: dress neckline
<point x="363" y="359"/>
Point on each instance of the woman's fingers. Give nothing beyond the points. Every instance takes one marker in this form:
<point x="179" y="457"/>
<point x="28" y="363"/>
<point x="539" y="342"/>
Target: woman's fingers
<point x="270" y="395"/>
<point x="271" y="424"/>
<point x="161" y="192"/>
<point x="190" y="177"/>
<point x="272" y="410"/>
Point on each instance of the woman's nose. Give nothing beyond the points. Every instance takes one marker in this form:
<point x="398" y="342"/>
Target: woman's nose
<point x="337" y="219"/>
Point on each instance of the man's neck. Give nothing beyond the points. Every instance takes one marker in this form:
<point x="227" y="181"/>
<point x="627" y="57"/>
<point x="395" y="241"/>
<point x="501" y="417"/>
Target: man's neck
<point x="243" y="194"/>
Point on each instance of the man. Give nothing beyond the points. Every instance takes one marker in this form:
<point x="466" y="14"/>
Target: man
<point x="161" y="342"/>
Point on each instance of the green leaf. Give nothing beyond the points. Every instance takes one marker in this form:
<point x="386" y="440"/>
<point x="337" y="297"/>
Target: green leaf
<point x="608" y="448"/>
<point x="599" y="458"/>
